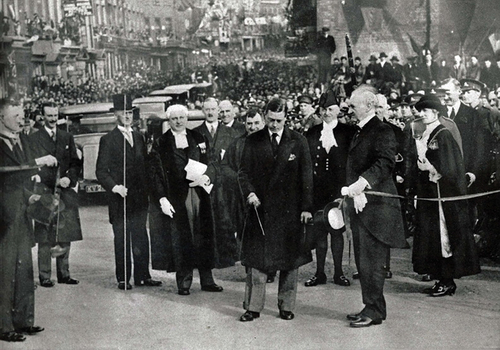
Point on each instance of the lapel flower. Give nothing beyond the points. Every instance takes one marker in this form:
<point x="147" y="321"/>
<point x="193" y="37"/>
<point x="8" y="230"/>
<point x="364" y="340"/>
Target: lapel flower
<point x="292" y="157"/>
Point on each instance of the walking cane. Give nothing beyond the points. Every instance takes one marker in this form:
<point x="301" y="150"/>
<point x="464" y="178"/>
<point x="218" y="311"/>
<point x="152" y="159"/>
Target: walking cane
<point x="125" y="199"/>
<point x="57" y="250"/>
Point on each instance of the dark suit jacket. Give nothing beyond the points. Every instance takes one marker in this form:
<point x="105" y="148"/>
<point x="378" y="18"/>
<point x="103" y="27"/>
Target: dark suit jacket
<point x="329" y="169"/>
<point x="221" y="141"/>
<point x="70" y="166"/>
<point x="109" y="171"/>
<point x="372" y="156"/>
<point x="284" y="187"/>
<point x="239" y="128"/>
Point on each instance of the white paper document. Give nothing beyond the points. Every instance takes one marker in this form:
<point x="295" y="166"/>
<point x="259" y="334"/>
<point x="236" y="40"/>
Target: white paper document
<point x="194" y="170"/>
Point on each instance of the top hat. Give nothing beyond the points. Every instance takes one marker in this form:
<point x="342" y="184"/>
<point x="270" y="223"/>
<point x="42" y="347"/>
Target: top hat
<point x="430" y="101"/>
<point x="471" y="84"/>
<point x="121" y="102"/>
<point x="327" y="99"/>
<point x="372" y="58"/>
<point x="45" y="209"/>
<point x="330" y="217"/>
<point x="305" y="99"/>
<point x="394" y="58"/>
<point x="382" y="54"/>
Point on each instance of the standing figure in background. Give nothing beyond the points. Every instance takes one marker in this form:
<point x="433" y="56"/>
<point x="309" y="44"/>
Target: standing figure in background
<point x="325" y="47"/>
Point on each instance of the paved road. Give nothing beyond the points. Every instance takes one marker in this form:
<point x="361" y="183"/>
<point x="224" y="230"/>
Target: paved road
<point x="96" y="315"/>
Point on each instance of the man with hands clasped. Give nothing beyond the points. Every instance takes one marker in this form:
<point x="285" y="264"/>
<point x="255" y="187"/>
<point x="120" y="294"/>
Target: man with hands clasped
<point x="121" y="169"/>
<point x="376" y="222"/>
<point x="276" y="179"/>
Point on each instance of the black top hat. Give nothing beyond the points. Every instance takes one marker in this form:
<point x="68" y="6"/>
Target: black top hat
<point x="122" y="102"/>
<point x="327" y="99"/>
<point x="430" y="101"/>
<point x="45" y="210"/>
<point x="305" y="99"/>
<point x="471" y="84"/>
<point x="382" y="54"/>
<point x="331" y="217"/>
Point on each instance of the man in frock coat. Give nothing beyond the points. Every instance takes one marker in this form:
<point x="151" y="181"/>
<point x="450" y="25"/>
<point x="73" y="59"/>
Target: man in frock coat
<point x="50" y="140"/>
<point x="276" y="180"/>
<point x="376" y="222"/>
<point x="130" y="186"/>
<point x="17" y="297"/>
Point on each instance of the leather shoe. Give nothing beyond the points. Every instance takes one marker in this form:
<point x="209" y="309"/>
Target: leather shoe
<point x="68" y="280"/>
<point x="354" y="317"/>
<point x="388" y="274"/>
<point x="148" y="282"/>
<point x="12" y="336"/>
<point x="212" y="288"/>
<point x="355" y="276"/>
<point x="121" y="286"/>
<point x="315" y="280"/>
<point x="30" y="330"/>
<point x="183" y="292"/>
<point x="47" y="283"/>
<point x="364" y="321"/>
<point x="286" y="315"/>
<point x="341" y="281"/>
<point x="249" y="316"/>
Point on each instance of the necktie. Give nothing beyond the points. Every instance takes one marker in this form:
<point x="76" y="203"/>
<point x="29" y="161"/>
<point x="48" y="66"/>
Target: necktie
<point x="53" y="135"/>
<point x="18" y="153"/>
<point x="128" y="136"/>
<point x="274" y="143"/>
<point x="452" y="114"/>
<point x="212" y="130"/>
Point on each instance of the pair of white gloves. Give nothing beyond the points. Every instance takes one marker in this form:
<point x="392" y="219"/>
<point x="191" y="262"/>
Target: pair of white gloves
<point x="355" y="191"/>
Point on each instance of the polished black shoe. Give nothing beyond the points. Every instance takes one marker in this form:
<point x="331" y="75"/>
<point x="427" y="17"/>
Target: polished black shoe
<point x="47" y="283"/>
<point x="388" y="274"/>
<point x="212" y="288"/>
<point x="68" y="280"/>
<point x="443" y="290"/>
<point x="353" y="317"/>
<point x="341" y="281"/>
<point x="286" y="315"/>
<point x="432" y="289"/>
<point x="364" y="321"/>
<point x="249" y="316"/>
<point x="12" y="336"/>
<point x="148" y="283"/>
<point x="270" y="278"/>
<point x="428" y="278"/>
<point x="355" y="276"/>
<point x="315" y="280"/>
<point x="183" y="291"/>
<point x="121" y="285"/>
<point x="30" y="330"/>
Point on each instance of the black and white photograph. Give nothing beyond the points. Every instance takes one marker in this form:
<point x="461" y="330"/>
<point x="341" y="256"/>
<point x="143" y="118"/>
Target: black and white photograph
<point x="249" y="174"/>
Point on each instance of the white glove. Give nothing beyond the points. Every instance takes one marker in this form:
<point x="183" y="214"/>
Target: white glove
<point x="470" y="178"/>
<point x="359" y="202"/>
<point x="36" y="178"/>
<point x="64" y="182"/>
<point x="34" y="198"/>
<point x="253" y="200"/>
<point x="203" y="180"/>
<point x="120" y="189"/>
<point x="166" y="207"/>
<point x="357" y="188"/>
<point x="48" y="160"/>
<point x="399" y="179"/>
<point x="424" y="165"/>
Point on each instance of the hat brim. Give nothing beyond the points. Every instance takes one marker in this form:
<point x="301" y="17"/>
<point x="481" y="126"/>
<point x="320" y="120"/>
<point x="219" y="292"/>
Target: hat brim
<point x="112" y="109"/>
<point x="333" y="217"/>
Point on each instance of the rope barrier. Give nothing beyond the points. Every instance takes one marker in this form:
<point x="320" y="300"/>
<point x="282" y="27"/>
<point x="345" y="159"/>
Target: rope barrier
<point x="442" y="199"/>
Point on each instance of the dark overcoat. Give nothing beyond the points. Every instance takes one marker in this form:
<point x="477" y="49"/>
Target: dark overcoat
<point x="17" y="296"/>
<point x="70" y="165"/>
<point x="444" y="154"/>
<point x="285" y="188"/>
<point x="329" y="169"/>
<point x="110" y="172"/>
<point x="372" y="156"/>
<point x="177" y="246"/>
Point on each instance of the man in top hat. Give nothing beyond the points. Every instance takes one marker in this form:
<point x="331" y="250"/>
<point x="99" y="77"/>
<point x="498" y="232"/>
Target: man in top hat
<point x="376" y="222"/>
<point x="17" y="298"/>
<point x="121" y="170"/>
<point x="51" y="140"/>
<point x="307" y="113"/>
<point x="328" y="145"/>
<point x="325" y="47"/>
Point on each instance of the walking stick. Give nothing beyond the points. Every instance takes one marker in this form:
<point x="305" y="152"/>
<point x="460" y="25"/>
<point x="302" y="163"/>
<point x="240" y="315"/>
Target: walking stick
<point x="125" y="200"/>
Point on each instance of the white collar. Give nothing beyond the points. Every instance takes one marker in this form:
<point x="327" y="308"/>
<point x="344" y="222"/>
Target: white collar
<point x="365" y="121"/>
<point x="280" y="133"/>
<point x="124" y="129"/>
<point x="179" y="133"/>
<point x="230" y="124"/>
<point x="456" y="106"/>
<point x="50" y="131"/>
<point x="209" y="125"/>
<point x="331" y="125"/>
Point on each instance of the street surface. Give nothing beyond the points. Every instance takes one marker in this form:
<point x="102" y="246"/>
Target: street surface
<point x="96" y="315"/>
